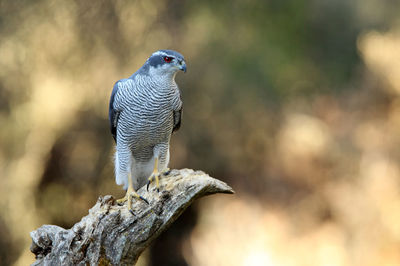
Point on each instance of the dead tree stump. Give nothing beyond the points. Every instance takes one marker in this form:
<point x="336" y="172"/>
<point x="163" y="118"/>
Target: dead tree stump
<point x="111" y="235"/>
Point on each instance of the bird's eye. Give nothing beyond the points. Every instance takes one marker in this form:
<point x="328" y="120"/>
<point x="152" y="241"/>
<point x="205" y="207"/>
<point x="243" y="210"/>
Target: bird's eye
<point x="167" y="59"/>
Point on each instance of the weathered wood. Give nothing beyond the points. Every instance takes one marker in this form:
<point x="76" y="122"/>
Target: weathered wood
<point x="111" y="235"/>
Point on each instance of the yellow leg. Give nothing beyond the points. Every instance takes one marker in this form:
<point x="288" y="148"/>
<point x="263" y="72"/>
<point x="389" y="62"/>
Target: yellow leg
<point x="155" y="175"/>
<point x="131" y="193"/>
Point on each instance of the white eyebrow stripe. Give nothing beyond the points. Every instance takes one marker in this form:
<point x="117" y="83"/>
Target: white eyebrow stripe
<point x="160" y="53"/>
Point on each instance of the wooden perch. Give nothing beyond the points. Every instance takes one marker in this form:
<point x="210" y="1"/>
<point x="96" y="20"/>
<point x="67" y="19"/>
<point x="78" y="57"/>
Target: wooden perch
<point x="111" y="235"/>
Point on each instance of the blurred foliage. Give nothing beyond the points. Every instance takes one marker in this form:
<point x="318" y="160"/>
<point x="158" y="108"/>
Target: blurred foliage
<point x="294" y="103"/>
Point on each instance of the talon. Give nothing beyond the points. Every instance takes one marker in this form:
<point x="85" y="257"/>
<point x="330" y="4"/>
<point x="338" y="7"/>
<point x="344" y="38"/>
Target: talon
<point x="145" y="200"/>
<point x="132" y="212"/>
<point x="130" y="194"/>
<point x="167" y="171"/>
<point x="156" y="175"/>
<point x="148" y="183"/>
<point x="121" y="201"/>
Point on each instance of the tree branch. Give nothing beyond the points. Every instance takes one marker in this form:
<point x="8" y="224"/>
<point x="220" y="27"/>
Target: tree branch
<point x="111" y="235"/>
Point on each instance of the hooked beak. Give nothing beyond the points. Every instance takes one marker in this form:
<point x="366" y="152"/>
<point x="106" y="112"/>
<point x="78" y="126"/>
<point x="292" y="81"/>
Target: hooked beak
<point x="183" y="66"/>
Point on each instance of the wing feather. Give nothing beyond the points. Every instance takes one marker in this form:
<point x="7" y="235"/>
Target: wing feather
<point x="113" y="114"/>
<point x="177" y="119"/>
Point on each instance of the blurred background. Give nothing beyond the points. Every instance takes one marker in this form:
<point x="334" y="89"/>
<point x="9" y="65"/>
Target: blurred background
<point x="294" y="103"/>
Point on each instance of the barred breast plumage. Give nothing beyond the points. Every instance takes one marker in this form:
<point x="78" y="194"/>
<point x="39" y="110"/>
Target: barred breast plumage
<point x="147" y="118"/>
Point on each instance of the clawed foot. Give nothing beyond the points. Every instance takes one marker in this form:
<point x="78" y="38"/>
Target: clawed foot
<point x="156" y="176"/>
<point x="166" y="172"/>
<point x="128" y="197"/>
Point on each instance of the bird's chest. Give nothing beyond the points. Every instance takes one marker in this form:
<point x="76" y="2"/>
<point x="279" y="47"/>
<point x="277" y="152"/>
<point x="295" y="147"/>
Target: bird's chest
<point x="154" y="110"/>
<point x="150" y="116"/>
<point x="155" y="103"/>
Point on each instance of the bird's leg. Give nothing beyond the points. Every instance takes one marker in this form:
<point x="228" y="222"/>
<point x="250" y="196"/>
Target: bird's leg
<point x="155" y="175"/>
<point x="131" y="193"/>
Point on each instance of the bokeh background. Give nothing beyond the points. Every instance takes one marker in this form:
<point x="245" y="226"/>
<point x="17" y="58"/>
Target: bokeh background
<point x="294" y="103"/>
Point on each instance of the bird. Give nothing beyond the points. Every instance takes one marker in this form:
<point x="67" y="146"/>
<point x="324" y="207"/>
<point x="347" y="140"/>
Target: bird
<point x="144" y="110"/>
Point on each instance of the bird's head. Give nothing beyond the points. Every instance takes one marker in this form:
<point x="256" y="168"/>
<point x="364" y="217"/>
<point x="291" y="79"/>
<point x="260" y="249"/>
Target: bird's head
<point x="166" y="62"/>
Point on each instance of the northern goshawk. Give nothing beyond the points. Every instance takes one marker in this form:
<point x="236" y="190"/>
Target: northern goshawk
<point x="144" y="111"/>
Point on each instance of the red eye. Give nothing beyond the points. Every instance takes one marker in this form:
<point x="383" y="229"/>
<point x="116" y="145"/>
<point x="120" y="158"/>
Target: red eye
<point x="167" y="59"/>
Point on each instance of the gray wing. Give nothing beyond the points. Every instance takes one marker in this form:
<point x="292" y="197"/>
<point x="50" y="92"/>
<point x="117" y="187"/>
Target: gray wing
<point x="177" y="112"/>
<point x="177" y="119"/>
<point x="113" y="114"/>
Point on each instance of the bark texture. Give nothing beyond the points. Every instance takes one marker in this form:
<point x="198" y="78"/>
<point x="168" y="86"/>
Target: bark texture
<point x="111" y="235"/>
